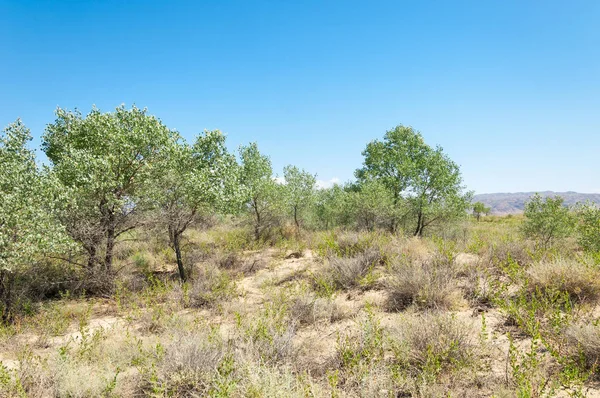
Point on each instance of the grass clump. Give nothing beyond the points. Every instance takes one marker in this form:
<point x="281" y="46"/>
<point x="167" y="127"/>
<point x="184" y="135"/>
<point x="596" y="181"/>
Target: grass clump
<point x="433" y="342"/>
<point x="348" y="272"/>
<point x="584" y="339"/>
<point x="431" y="284"/>
<point x="580" y="280"/>
<point x="208" y="287"/>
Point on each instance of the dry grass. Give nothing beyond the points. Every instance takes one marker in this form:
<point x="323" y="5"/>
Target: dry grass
<point x="431" y="284"/>
<point x="585" y="339"/>
<point x="437" y="340"/>
<point x="307" y="309"/>
<point x="580" y="280"/>
<point x="288" y="339"/>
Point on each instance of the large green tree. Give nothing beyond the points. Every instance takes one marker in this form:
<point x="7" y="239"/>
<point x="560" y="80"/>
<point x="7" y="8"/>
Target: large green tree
<point x="423" y="177"/>
<point x="105" y="162"/>
<point x="27" y="198"/>
<point x="193" y="179"/>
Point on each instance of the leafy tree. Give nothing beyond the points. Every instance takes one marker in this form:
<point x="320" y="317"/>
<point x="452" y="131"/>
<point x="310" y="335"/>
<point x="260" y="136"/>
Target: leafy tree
<point x="547" y="220"/>
<point x="27" y="228"/>
<point x="479" y="209"/>
<point x="193" y="179"/>
<point x="105" y="162"/>
<point x="372" y="204"/>
<point x="332" y="206"/>
<point x="261" y="191"/>
<point x="299" y="192"/>
<point x="416" y="174"/>
<point x="588" y="226"/>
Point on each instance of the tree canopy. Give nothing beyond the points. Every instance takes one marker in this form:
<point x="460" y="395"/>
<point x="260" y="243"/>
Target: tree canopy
<point x="423" y="177"/>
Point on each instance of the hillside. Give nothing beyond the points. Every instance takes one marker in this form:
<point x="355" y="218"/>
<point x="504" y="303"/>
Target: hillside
<point x="510" y="203"/>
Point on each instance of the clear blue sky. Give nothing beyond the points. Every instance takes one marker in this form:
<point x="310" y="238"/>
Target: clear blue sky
<point x="510" y="89"/>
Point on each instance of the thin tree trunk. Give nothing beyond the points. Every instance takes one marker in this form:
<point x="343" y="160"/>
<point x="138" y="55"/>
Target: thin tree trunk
<point x="110" y="245"/>
<point x="296" y="218"/>
<point x="257" y="222"/>
<point x="92" y="256"/>
<point x="6" y="282"/>
<point x="418" y="231"/>
<point x="177" y="247"/>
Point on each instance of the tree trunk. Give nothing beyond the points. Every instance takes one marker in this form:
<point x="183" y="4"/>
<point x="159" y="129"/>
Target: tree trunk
<point x="110" y="245"/>
<point x="257" y="221"/>
<point x="419" y="230"/>
<point x="92" y="256"/>
<point x="296" y="218"/>
<point x="6" y="282"/>
<point x="177" y="247"/>
<point x="109" y="225"/>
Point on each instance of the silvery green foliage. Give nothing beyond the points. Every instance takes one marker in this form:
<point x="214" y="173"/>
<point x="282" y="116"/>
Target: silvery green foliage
<point x="299" y="191"/>
<point x="262" y="193"/>
<point x="193" y="179"/>
<point x="105" y="162"/>
<point x="332" y="206"/>
<point x="27" y="198"/>
<point x="373" y="204"/>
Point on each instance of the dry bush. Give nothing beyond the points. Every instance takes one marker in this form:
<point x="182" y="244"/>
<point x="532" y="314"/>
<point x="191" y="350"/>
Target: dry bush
<point x="228" y="260"/>
<point x="190" y="363"/>
<point x="437" y="340"/>
<point x="267" y="336"/>
<point x="580" y="280"/>
<point x="269" y="381"/>
<point x="585" y="339"/>
<point x="209" y="286"/>
<point x="518" y="251"/>
<point x="431" y="284"/>
<point x="347" y="272"/>
<point x="307" y="309"/>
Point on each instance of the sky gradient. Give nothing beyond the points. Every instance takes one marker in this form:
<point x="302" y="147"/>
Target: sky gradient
<point x="509" y="89"/>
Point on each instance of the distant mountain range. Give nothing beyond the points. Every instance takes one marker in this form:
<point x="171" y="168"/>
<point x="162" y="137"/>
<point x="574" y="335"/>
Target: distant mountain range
<point x="512" y="203"/>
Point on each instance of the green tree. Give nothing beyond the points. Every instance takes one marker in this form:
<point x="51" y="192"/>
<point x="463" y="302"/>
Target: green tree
<point x="105" y="162"/>
<point x="261" y="191"/>
<point x="425" y="178"/>
<point x="546" y="220"/>
<point x="479" y="209"/>
<point x="192" y="180"/>
<point x="332" y="206"/>
<point x="588" y="226"/>
<point x="373" y="204"/>
<point x="299" y="192"/>
<point x="27" y="196"/>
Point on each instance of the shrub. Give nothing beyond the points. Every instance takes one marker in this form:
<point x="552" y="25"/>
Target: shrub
<point x="190" y="363"/>
<point x="581" y="281"/>
<point x="547" y="221"/>
<point x="211" y="285"/>
<point x="347" y="272"/>
<point x="585" y="338"/>
<point x="589" y="227"/>
<point x="431" y="284"/>
<point x="307" y="309"/>
<point x="433" y="343"/>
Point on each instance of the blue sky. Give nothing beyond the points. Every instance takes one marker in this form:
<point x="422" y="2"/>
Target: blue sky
<point x="509" y="89"/>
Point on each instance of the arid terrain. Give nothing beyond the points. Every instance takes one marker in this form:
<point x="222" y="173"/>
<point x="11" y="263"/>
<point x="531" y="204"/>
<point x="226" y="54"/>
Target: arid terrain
<point x="321" y="314"/>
